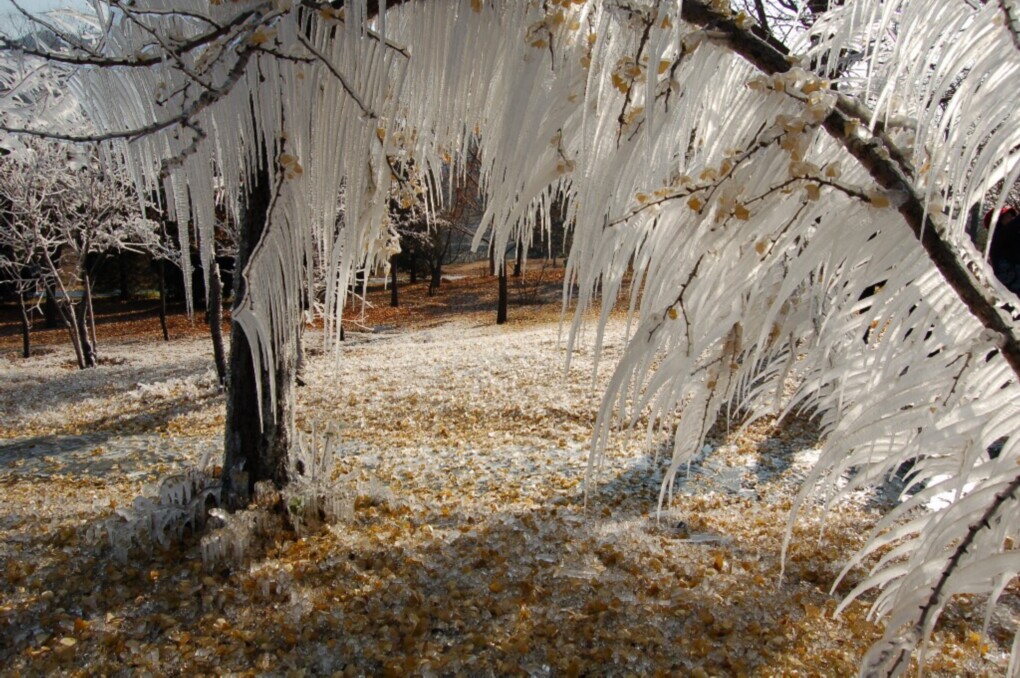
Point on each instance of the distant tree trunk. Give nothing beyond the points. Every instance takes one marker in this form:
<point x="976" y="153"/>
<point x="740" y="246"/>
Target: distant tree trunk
<point x="75" y="325"/>
<point x="125" y="279"/>
<point x="66" y="310"/>
<point x="91" y="315"/>
<point x="162" y="300"/>
<point x="413" y="272"/>
<point x="71" y="321"/>
<point x="80" y="321"/>
<point x="215" y="314"/>
<point x="51" y="313"/>
<point x="26" y="326"/>
<point x="517" y="260"/>
<point x="492" y="258"/>
<point x="502" y="303"/>
<point x="88" y="354"/>
<point x="436" y="270"/>
<point x="254" y="450"/>
<point x="394" y="298"/>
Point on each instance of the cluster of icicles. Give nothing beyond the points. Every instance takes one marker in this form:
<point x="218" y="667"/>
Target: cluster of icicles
<point x="761" y="254"/>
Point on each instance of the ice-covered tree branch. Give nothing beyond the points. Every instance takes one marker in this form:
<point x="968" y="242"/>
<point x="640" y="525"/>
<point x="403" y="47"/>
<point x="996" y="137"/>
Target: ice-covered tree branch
<point x="875" y="156"/>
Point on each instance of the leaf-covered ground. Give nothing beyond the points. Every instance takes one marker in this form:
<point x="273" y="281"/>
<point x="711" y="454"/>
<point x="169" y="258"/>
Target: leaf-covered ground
<point x="470" y="547"/>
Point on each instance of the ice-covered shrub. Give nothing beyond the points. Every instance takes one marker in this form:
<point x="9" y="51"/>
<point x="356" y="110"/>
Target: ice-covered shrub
<point x="236" y="534"/>
<point x="317" y="492"/>
<point x="179" y="507"/>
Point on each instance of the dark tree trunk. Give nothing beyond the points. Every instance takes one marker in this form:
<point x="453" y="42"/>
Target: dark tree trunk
<point x="492" y="258"/>
<point x="254" y="450"/>
<point x="413" y="273"/>
<point x="51" y="313"/>
<point x="162" y="300"/>
<point x="26" y="327"/>
<point x="394" y="298"/>
<point x="517" y="261"/>
<point x="125" y="279"/>
<point x="215" y="314"/>
<point x="436" y="278"/>
<point x="90" y="314"/>
<point x="255" y="447"/>
<point x="65" y="308"/>
<point x="71" y="321"/>
<point x="501" y="306"/>
<point x="88" y="356"/>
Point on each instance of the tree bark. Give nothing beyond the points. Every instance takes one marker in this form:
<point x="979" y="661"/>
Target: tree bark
<point x="436" y="278"/>
<point x="72" y="328"/>
<point x="88" y="354"/>
<point x="502" y="303"/>
<point x="394" y="298"/>
<point x="215" y="314"/>
<point x="26" y="326"/>
<point x="51" y="313"/>
<point x="517" y="260"/>
<point x="162" y="300"/>
<point x="254" y="449"/>
<point x="90" y="320"/>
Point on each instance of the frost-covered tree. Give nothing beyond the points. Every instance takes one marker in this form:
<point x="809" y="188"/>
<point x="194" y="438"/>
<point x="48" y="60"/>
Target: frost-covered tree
<point x="20" y="266"/>
<point x="62" y="213"/>
<point x="760" y="183"/>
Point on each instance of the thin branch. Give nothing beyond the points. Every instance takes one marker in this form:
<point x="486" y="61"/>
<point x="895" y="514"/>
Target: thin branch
<point x="184" y="119"/>
<point x="167" y="49"/>
<point x="763" y="18"/>
<point x="50" y="27"/>
<point x="932" y="604"/>
<point x="167" y="12"/>
<point x="92" y="59"/>
<point x="178" y="160"/>
<point x="622" y="119"/>
<point x="338" y="75"/>
<point x="373" y="10"/>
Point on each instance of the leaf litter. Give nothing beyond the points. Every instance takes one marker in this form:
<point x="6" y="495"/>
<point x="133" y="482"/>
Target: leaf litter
<point x="469" y="545"/>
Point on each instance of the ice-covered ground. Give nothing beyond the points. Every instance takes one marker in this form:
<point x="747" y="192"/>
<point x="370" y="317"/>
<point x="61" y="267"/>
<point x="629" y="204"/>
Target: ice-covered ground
<point x="469" y="549"/>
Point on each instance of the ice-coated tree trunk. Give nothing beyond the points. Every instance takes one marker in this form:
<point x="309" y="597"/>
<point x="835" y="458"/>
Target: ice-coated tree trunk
<point x="216" y="321"/>
<point x="255" y="447"/>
